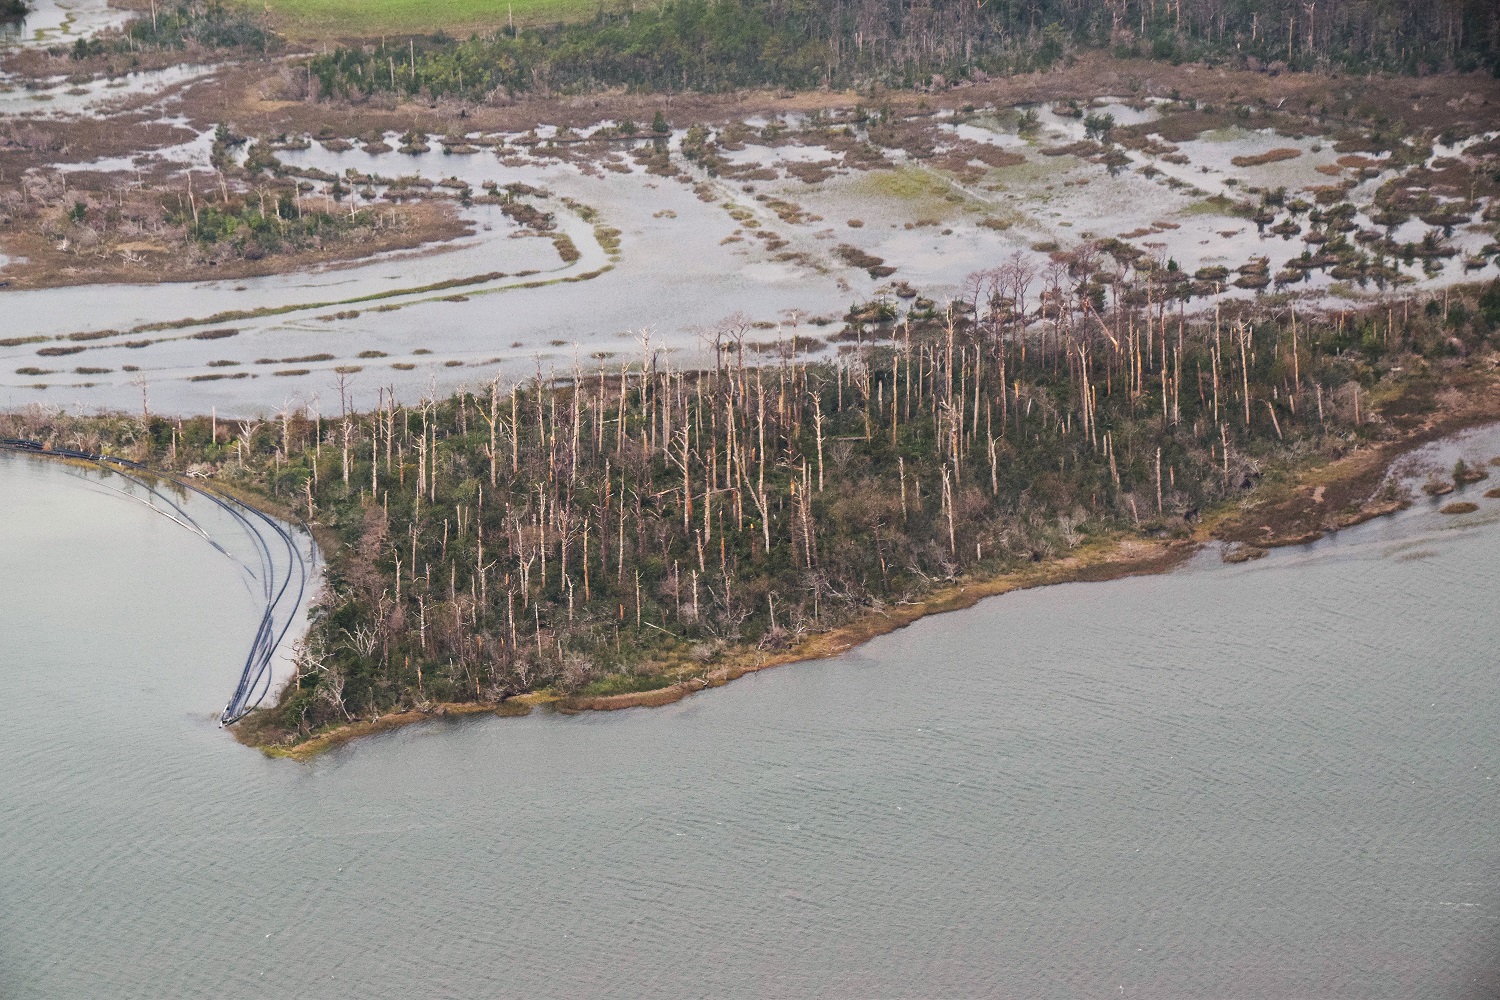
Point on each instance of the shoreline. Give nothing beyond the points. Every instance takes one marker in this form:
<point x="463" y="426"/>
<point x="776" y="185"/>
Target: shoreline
<point x="1276" y="520"/>
<point x="1098" y="562"/>
<point x="1338" y="494"/>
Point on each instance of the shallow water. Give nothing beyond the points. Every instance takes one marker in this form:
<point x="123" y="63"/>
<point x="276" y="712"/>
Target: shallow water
<point x="58" y="97"/>
<point x="54" y="21"/>
<point x="684" y="265"/>
<point x="1269" y="780"/>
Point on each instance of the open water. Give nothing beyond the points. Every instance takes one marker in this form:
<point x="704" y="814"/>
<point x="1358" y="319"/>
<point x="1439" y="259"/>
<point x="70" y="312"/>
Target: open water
<point x="1272" y="780"/>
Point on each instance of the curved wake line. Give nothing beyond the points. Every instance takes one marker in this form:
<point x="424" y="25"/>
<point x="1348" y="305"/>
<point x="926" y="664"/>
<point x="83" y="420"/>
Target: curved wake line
<point x="272" y="543"/>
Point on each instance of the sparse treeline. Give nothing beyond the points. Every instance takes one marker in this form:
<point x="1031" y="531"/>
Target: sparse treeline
<point x="243" y="211"/>
<point x="719" y="44"/>
<point x="262" y="220"/>
<point x="206" y="24"/>
<point x="602" y="532"/>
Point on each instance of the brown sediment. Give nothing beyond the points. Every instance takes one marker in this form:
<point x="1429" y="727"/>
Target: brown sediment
<point x="1269" y="156"/>
<point x="654" y="698"/>
<point x="1493" y="494"/>
<point x="1462" y="507"/>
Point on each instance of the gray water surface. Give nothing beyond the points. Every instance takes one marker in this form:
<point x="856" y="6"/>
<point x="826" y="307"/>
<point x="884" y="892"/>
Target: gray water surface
<point x="1270" y="780"/>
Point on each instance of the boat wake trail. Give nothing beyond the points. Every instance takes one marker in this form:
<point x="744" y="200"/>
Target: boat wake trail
<point x="278" y="570"/>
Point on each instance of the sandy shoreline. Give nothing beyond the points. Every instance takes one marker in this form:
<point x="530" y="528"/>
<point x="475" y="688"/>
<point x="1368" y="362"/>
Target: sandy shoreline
<point x="1103" y="561"/>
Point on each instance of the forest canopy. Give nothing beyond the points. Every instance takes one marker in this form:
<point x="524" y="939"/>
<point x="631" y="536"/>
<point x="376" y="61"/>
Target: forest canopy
<point x="722" y="44"/>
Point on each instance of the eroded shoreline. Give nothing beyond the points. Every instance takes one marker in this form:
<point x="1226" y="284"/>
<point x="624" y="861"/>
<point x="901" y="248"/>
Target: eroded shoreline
<point x="1107" y="561"/>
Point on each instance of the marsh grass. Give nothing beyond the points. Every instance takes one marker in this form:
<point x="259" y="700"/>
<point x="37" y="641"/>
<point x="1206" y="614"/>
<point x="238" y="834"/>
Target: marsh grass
<point x="310" y="18"/>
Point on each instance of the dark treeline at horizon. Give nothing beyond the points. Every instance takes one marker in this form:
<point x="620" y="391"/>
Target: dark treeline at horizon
<point x="722" y="44"/>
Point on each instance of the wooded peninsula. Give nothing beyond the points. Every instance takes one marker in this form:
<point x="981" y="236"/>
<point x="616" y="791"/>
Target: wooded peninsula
<point x="591" y="534"/>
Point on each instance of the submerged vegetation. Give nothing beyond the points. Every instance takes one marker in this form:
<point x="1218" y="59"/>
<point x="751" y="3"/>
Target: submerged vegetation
<point x="595" y="533"/>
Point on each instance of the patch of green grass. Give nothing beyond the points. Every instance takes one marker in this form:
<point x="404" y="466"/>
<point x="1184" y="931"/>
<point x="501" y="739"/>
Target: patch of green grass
<point x="302" y="18"/>
<point x="907" y="183"/>
<point x="1219" y="205"/>
<point x="626" y="684"/>
<point x="919" y="192"/>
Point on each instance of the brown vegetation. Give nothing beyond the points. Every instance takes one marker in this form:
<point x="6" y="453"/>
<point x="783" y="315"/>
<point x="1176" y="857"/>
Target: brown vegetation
<point x="1269" y="156"/>
<point x="97" y="228"/>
